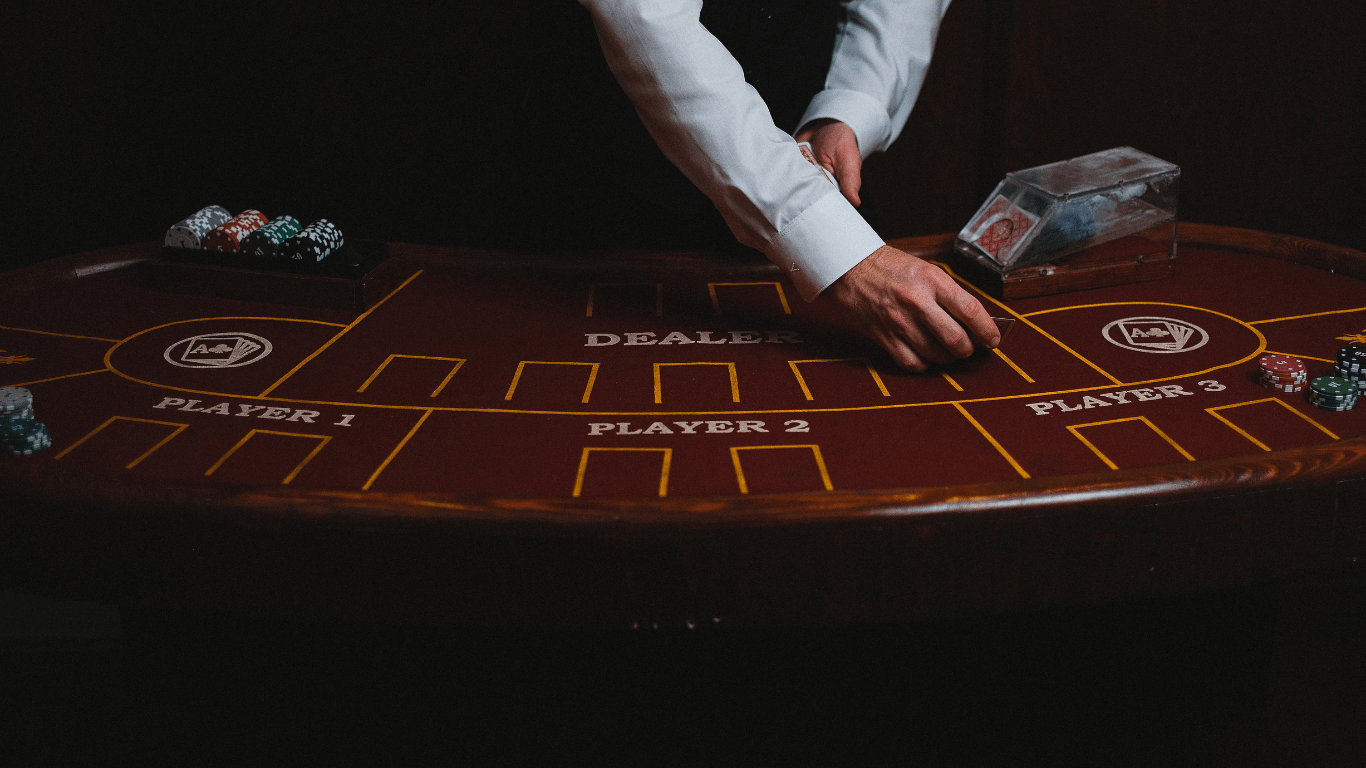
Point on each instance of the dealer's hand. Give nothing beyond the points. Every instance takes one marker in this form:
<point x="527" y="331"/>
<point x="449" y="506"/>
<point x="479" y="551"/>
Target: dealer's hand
<point x="836" y="147"/>
<point x="913" y="309"/>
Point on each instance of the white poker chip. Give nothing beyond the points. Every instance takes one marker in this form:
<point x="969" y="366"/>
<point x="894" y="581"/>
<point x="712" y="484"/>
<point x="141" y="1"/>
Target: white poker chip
<point x="13" y="399"/>
<point x="189" y="232"/>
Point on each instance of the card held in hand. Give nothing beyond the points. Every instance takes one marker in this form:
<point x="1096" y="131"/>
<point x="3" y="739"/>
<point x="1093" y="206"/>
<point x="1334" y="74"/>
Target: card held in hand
<point x="805" y="147"/>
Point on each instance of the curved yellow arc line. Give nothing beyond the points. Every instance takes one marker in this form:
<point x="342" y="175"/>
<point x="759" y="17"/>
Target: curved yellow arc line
<point x="1261" y="347"/>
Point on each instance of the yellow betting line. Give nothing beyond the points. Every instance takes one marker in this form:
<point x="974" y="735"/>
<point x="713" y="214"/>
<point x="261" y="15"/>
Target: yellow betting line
<point x="1301" y="357"/>
<point x="999" y="448"/>
<point x="55" y="378"/>
<point x="52" y="333"/>
<point x="383" y="465"/>
<point x="1026" y="321"/>
<point x="1302" y="317"/>
<point x="1012" y="364"/>
<point x="340" y="334"/>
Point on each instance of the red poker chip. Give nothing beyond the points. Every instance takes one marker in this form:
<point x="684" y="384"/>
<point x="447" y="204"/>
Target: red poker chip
<point x="1271" y="381"/>
<point x="1281" y="364"/>
<point x="1284" y="376"/>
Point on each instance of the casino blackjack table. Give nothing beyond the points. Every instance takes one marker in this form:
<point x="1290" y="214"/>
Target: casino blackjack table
<point x="660" y="440"/>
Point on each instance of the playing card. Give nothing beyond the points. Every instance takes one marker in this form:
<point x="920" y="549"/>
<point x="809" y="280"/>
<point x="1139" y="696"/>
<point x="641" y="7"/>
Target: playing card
<point x="805" y="147"/>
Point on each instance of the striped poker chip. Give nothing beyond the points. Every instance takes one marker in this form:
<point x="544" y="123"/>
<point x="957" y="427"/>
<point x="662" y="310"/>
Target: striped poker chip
<point x="1332" y="398"/>
<point x="189" y="232"/>
<point x="1271" y="377"/>
<point x="314" y="243"/>
<point x="26" y="413"/>
<point x="1285" y="376"/>
<point x="228" y="235"/>
<point x="25" y="436"/>
<point x="1359" y="378"/>
<point x="264" y="241"/>
<point x="14" y="399"/>
<point x="1281" y="364"/>
<point x="1328" y="405"/>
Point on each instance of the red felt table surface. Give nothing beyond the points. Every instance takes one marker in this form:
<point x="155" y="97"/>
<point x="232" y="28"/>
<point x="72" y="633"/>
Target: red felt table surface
<point x="553" y="420"/>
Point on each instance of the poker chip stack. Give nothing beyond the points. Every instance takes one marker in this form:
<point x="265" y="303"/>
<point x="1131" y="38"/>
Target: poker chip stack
<point x="1351" y="365"/>
<point x="264" y="241"/>
<point x="228" y="235"/>
<point x="190" y="232"/>
<point x="20" y="433"/>
<point x="1282" y="373"/>
<point x="316" y="242"/>
<point x="1333" y="393"/>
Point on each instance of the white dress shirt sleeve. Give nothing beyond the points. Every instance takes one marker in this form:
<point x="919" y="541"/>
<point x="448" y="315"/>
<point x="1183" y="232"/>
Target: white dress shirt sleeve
<point x="882" y="52"/>
<point x="692" y="96"/>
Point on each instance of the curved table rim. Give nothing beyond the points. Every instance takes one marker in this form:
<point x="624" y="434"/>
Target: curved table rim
<point x="1317" y="480"/>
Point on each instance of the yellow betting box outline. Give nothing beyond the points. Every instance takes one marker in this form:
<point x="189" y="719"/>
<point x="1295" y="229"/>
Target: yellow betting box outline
<point x="470" y="409"/>
<point x="866" y="363"/>
<point x="459" y="361"/>
<point x="1012" y="364"/>
<point x="587" y="391"/>
<point x="734" y="380"/>
<point x="1075" y="429"/>
<point x="1276" y="400"/>
<point x="994" y="442"/>
<point x="950" y="380"/>
<point x="740" y="472"/>
<point x="322" y="441"/>
<point x="345" y="329"/>
<point x="1260" y="349"/>
<point x="659" y="295"/>
<point x="716" y="303"/>
<point x="663" y="472"/>
<point x="392" y="454"/>
<point x="179" y="427"/>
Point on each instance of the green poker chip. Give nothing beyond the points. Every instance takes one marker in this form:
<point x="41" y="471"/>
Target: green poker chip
<point x="1333" y="386"/>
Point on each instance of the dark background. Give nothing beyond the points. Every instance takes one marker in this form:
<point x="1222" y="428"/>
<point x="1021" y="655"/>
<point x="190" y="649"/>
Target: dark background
<point x="410" y="124"/>
<point x="413" y="124"/>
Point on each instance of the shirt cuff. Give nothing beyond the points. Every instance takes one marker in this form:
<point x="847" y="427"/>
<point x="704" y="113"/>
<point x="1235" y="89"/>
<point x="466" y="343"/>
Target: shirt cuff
<point x="855" y="109"/>
<point x="822" y="243"/>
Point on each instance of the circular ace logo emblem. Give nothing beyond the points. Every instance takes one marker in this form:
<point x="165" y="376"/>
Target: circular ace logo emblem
<point x="1159" y="335"/>
<point x="218" y="350"/>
